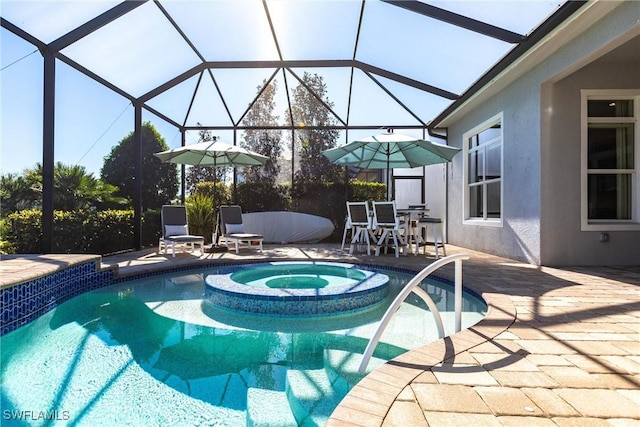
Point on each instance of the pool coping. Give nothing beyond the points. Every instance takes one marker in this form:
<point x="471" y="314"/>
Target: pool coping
<point x="17" y="269"/>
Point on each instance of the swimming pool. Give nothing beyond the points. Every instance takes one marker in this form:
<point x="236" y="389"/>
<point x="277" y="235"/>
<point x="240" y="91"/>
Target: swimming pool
<point x="153" y="351"/>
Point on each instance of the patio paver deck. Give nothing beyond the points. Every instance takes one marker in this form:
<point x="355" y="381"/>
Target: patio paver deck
<point x="559" y="346"/>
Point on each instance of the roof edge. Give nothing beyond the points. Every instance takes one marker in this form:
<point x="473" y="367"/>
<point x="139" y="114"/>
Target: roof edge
<point x="502" y="72"/>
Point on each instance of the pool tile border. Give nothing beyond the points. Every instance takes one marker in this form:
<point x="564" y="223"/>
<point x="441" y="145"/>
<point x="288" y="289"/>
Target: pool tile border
<point x="24" y="302"/>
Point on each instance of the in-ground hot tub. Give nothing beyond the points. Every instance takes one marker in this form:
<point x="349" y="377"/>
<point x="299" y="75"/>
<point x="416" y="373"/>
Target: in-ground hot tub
<point x="296" y="288"/>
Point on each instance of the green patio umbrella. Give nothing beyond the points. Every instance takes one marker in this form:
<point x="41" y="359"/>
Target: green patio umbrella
<point x="390" y="150"/>
<point x="214" y="153"/>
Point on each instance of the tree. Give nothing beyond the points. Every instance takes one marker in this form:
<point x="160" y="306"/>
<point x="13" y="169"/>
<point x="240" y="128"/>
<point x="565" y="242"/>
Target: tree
<point x="267" y="141"/>
<point x="73" y="189"/>
<point x="18" y="193"/>
<point x="309" y="143"/>
<point x="198" y="174"/>
<point x="159" y="179"/>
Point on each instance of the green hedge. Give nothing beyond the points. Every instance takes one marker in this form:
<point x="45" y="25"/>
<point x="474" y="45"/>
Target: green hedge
<point x="110" y="231"/>
<point x="329" y="200"/>
<point x="101" y="232"/>
<point x="262" y="196"/>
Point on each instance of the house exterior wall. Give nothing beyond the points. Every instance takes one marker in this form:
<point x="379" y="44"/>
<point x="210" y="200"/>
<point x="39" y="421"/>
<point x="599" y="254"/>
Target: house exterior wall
<point x="518" y="237"/>
<point x="541" y="157"/>
<point x="563" y="242"/>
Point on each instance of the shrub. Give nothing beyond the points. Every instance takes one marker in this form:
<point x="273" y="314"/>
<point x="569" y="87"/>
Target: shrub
<point x="24" y="231"/>
<point x="200" y="215"/>
<point x="109" y="231"/>
<point x="101" y="232"/>
<point x="221" y="195"/>
<point x="6" y="247"/>
<point x="359" y="191"/>
<point x="261" y="196"/>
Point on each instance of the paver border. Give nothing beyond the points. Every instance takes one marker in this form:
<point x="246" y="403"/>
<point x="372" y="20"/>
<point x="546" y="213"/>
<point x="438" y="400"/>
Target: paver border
<point x="397" y="374"/>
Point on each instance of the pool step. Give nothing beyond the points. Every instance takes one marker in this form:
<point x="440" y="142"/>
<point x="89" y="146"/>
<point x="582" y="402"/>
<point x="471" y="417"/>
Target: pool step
<point x="342" y="367"/>
<point x="268" y="408"/>
<point x="312" y="396"/>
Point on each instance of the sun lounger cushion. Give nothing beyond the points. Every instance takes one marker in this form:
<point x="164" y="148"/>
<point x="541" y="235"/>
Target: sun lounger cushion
<point x="234" y="228"/>
<point x="175" y="230"/>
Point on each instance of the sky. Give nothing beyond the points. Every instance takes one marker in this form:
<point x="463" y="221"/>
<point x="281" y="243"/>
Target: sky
<point x="90" y="118"/>
<point x="141" y="50"/>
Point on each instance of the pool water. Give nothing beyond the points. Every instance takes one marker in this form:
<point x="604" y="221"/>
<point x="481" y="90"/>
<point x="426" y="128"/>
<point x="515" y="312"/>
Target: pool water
<point x="299" y="275"/>
<point x="153" y="352"/>
<point x="297" y="282"/>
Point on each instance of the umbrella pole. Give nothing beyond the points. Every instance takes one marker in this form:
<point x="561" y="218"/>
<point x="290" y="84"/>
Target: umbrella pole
<point x="216" y="234"/>
<point x="215" y="200"/>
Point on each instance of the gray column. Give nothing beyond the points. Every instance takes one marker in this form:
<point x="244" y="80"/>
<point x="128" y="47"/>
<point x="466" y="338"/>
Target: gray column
<point x="137" y="198"/>
<point x="48" y="158"/>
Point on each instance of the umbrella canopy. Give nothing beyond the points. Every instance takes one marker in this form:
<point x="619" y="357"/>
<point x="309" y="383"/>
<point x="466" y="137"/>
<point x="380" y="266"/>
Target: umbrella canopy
<point x="390" y="150"/>
<point x="212" y="153"/>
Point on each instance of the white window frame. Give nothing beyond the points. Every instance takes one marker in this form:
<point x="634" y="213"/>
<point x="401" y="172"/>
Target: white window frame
<point x="609" y="225"/>
<point x="466" y="218"/>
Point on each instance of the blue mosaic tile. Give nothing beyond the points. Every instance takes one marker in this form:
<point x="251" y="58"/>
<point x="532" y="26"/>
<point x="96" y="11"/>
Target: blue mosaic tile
<point x="5" y="296"/>
<point x="27" y="301"/>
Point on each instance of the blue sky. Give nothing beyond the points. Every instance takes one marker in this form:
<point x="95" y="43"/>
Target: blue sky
<point x="141" y="50"/>
<point x="90" y="118"/>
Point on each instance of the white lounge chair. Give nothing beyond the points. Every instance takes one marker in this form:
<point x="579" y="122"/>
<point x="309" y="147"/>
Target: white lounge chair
<point x="175" y="230"/>
<point x="233" y="229"/>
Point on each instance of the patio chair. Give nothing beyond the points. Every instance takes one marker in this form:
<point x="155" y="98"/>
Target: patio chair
<point x="435" y="224"/>
<point x="358" y="215"/>
<point x="233" y="229"/>
<point x="348" y="229"/>
<point x="175" y="230"/>
<point x="387" y="223"/>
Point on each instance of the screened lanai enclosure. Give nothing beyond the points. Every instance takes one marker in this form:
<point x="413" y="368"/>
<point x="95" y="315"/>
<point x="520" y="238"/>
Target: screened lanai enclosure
<point x="287" y="78"/>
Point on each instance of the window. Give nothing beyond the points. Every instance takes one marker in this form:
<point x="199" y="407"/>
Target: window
<point x="482" y="149"/>
<point x="610" y="158"/>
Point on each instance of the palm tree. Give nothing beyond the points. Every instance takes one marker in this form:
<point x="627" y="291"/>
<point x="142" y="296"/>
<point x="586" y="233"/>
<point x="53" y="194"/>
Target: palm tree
<point x="74" y="188"/>
<point x="16" y="194"/>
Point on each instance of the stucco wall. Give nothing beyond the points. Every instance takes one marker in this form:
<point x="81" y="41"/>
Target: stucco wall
<point x="541" y="149"/>
<point x="563" y="243"/>
<point x="518" y="237"/>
